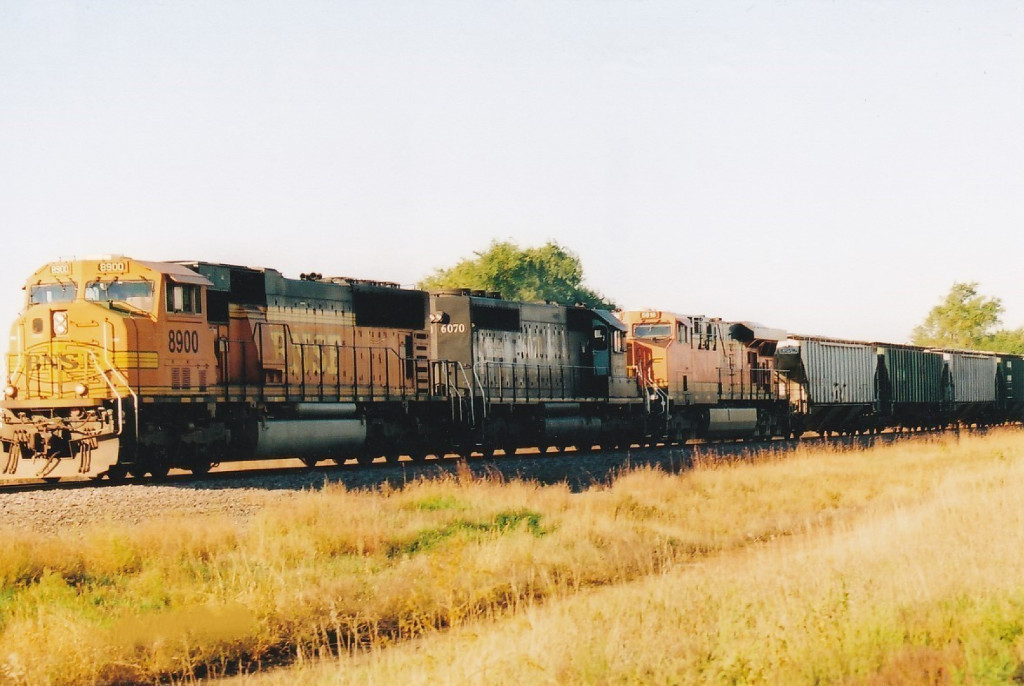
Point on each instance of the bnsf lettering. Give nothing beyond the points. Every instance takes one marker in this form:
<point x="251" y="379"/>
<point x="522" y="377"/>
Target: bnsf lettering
<point x="68" y="361"/>
<point x="179" y="341"/>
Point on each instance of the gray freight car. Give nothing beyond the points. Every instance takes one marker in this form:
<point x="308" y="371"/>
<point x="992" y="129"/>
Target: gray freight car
<point x="972" y="390"/>
<point x="831" y="383"/>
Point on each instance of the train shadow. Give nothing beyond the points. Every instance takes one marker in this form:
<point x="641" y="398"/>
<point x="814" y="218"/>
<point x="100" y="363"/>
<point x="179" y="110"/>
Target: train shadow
<point x="579" y="470"/>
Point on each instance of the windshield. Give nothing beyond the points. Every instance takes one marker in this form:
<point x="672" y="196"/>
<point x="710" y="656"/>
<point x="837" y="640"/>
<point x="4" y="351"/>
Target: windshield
<point x="135" y="293"/>
<point x="652" y="330"/>
<point x="52" y="293"/>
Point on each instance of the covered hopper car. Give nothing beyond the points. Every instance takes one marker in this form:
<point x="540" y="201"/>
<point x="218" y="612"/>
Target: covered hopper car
<point x="850" y="386"/>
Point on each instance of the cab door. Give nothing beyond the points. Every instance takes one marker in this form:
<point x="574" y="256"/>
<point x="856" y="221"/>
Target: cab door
<point x="600" y="351"/>
<point x="596" y="359"/>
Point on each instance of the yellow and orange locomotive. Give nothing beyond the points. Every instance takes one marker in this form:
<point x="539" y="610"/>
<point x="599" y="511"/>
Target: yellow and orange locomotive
<point x="95" y="336"/>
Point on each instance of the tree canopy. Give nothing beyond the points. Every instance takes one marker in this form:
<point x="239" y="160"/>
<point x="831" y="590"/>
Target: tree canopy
<point x="548" y="273"/>
<point x="966" y="320"/>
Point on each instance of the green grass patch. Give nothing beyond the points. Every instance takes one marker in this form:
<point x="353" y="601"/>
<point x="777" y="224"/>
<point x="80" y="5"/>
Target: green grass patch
<point x="436" y="503"/>
<point x="501" y="524"/>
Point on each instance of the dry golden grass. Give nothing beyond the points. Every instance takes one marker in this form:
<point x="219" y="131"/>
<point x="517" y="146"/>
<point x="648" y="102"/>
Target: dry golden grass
<point x="920" y="583"/>
<point x="820" y="566"/>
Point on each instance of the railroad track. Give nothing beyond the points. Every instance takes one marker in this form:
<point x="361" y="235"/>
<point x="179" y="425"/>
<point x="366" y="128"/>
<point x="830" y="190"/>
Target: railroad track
<point x="241" y="494"/>
<point x="580" y="468"/>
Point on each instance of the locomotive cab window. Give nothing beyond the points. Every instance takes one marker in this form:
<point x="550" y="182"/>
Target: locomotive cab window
<point x="652" y="330"/>
<point x="43" y="293"/>
<point x="137" y="294"/>
<point x="705" y="335"/>
<point x="183" y="298"/>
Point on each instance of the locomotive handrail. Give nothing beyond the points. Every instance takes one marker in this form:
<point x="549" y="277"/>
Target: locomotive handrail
<point x="515" y="367"/>
<point x="483" y="393"/>
<point x="781" y="383"/>
<point x="553" y="381"/>
<point x="117" y="395"/>
<point x="21" y="357"/>
<point x="404" y="363"/>
<point x="442" y="371"/>
<point x="472" y="405"/>
<point x="390" y="387"/>
<point x="461" y="368"/>
<point x="646" y="380"/>
<point x="763" y="383"/>
<point x="110" y="364"/>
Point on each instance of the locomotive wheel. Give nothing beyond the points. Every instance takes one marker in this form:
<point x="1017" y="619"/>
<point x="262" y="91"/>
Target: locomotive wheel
<point x="200" y="467"/>
<point x="116" y="472"/>
<point x="309" y="461"/>
<point x="159" y="471"/>
<point x="490" y="451"/>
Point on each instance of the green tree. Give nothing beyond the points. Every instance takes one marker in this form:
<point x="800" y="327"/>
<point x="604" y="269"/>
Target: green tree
<point x="1005" y="341"/>
<point x="548" y="273"/>
<point x="966" y="320"/>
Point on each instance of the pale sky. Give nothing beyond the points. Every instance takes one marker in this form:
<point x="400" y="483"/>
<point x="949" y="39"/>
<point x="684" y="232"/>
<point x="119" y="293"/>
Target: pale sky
<point x="821" y="167"/>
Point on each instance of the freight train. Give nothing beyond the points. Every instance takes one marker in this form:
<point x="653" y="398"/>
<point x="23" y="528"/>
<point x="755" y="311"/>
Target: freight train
<point x="121" y="366"/>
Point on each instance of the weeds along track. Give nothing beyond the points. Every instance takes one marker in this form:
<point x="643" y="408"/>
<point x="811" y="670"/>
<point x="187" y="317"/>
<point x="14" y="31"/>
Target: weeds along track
<point x="580" y="468"/>
<point x="240" y="492"/>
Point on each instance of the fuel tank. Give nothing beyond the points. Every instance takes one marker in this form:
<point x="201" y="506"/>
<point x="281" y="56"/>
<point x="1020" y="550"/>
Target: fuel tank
<point x="732" y="422"/>
<point x="310" y="438"/>
<point x="578" y="431"/>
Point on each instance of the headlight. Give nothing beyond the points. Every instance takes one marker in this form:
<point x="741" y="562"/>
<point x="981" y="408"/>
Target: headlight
<point x="11" y="391"/>
<point x="60" y="323"/>
<point x="82" y="390"/>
